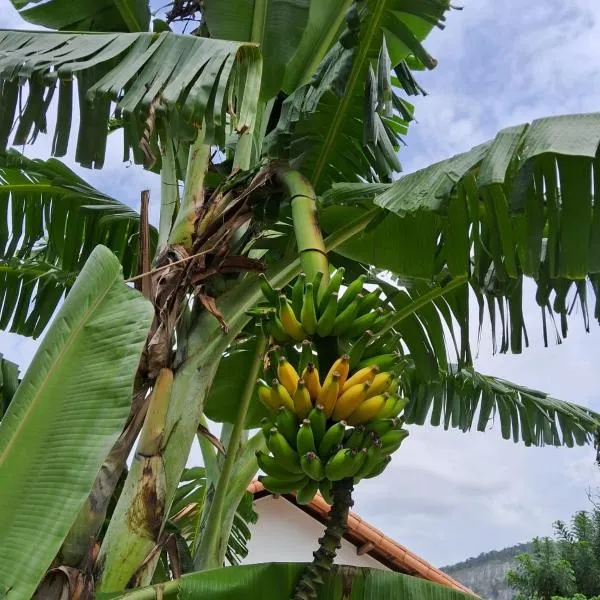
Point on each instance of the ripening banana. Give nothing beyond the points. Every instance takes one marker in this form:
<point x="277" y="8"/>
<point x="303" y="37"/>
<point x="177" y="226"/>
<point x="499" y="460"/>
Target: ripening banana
<point x="302" y="401"/>
<point x="280" y="395"/>
<point x="329" y="393"/>
<point x="349" y="401"/>
<point x="283" y="452"/>
<point x="310" y="375"/>
<point x="287" y="375"/>
<point x="332" y="289"/>
<point x="342" y="366"/>
<point x="307" y="492"/>
<point x="367" y="410"/>
<point x="312" y="466"/>
<point x="276" y="330"/>
<point x="308" y="313"/>
<point x="327" y="318"/>
<point x="282" y="486"/>
<point x="332" y="438"/>
<point x="271" y="466"/>
<point x="361" y="376"/>
<point x="265" y="395"/>
<point x="287" y="425"/>
<point x="382" y="382"/>
<point x="318" y="423"/>
<point x="305" y="439"/>
<point x="351" y="292"/>
<point x="288" y="319"/>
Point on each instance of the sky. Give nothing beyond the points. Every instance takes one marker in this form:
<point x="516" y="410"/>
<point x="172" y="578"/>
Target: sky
<point x="448" y="495"/>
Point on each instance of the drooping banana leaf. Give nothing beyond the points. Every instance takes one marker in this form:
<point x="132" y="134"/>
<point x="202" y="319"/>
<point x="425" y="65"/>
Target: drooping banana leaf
<point x="56" y="220"/>
<point x="143" y="79"/>
<point x="9" y="381"/>
<point x="65" y="417"/>
<point x="86" y="15"/>
<point x="521" y="205"/>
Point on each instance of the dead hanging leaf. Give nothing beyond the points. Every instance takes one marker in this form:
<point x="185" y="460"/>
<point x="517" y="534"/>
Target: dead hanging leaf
<point x="232" y="264"/>
<point x="209" y="303"/>
<point x="215" y="441"/>
<point x="65" y="583"/>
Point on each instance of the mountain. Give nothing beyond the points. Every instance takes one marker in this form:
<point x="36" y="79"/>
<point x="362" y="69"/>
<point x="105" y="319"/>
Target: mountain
<point x="486" y="574"/>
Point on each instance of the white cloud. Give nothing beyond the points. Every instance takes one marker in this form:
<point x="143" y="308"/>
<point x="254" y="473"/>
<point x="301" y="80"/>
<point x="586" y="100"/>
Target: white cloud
<point x="449" y="495"/>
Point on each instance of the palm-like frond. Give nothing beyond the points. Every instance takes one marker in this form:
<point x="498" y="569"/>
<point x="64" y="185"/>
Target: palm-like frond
<point x="86" y="15"/>
<point x="347" y="122"/>
<point x="146" y="78"/>
<point x="463" y="398"/>
<point x="56" y="219"/>
<point x="522" y="205"/>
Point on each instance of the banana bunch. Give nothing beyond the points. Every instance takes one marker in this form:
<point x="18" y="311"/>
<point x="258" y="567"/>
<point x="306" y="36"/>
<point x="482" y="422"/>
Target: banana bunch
<point x="346" y="425"/>
<point x="310" y="313"/>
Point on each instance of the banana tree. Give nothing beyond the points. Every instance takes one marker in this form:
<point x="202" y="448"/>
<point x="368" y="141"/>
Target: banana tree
<point x="275" y="128"/>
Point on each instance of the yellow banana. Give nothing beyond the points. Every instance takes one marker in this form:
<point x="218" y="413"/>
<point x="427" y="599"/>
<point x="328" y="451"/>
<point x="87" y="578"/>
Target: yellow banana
<point x="366" y="374"/>
<point x="287" y="375"/>
<point x="289" y="321"/>
<point x="367" y="410"/>
<point x="342" y="366"/>
<point x="381" y="383"/>
<point x="265" y="395"/>
<point x="311" y="379"/>
<point x="281" y="396"/>
<point x="349" y="401"/>
<point x="302" y="401"/>
<point x="329" y="393"/>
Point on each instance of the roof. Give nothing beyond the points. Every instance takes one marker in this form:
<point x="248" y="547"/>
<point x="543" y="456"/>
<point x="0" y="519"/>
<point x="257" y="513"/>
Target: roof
<point x="370" y="540"/>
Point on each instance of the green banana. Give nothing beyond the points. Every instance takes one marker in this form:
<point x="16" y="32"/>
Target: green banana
<point x="356" y="437"/>
<point x="385" y="344"/>
<point x="318" y="423"/>
<point x="333" y="436"/>
<point x="287" y="425"/>
<point x="306" y="355"/>
<point x="275" y="329"/>
<point x="312" y="466"/>
<point x="399" y="406"/>
<point x="382" y="426"/>
<point x="379" y="467"/>
<point x="385" y="362"/>
<point x="305" y="440"/>
<point x="267" y="290"/>
<point x="359" y="460"/>
<point x="266" y="425"/>
<point x="327" y="318"/>
<point x="369" y="301"/>
<point x="391" y="441"/>
<point x="382" y="321"/>
<point x="288" y="320"/>
<point x="283" y="452"/>
<point x="332" y="289"/>
<point x="326" y="489"/>
<point x="372" y="458"/>
<point x="360" y="325"/>
<point x="351" y="292"/>
<point x="316" y="284"/>
<point x="298" y="293"/>
<point x="307" y="492"/>
<point x="282" y="486"/>
<point x="270" y="466"/>
<point x="341" y="464"/>
<point x="357" y="350"/>
<point x="388" y="407"/>
<point x="345" y="319"/>
<point x="308" y="315"/>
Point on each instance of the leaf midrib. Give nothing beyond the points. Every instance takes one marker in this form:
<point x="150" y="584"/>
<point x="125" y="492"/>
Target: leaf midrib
<point x="58" y="361"/>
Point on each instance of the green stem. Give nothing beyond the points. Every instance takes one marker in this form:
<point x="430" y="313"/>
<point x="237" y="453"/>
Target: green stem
<point x="312" y="577"/>
<point x="311" y="248"/>
<point x="193" y="192"/>
<point x="207" y="554"/>
<point x="169" y="194"/>
<point x="420" y="302"/>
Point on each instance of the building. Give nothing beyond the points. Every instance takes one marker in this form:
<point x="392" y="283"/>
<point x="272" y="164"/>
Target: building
<point x="362" y="546"/>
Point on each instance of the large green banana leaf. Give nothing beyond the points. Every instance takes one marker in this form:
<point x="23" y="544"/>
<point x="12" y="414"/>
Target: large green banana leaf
<point x="65" y="416"/>
<point x="519" y="205"/>
<point x="9" y="381"/>
<point x="275" y="581"/>
<point x="86" y="15"/>
<point x="56" y="220"/>
<point x="151" y="79"/>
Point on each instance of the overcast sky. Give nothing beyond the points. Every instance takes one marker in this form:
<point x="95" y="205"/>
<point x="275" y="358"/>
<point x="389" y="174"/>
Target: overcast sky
<point x="448" y="495"/>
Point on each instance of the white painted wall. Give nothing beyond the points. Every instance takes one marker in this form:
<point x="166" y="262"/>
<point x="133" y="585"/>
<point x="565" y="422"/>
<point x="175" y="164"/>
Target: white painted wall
<point x="284" y="533"/>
